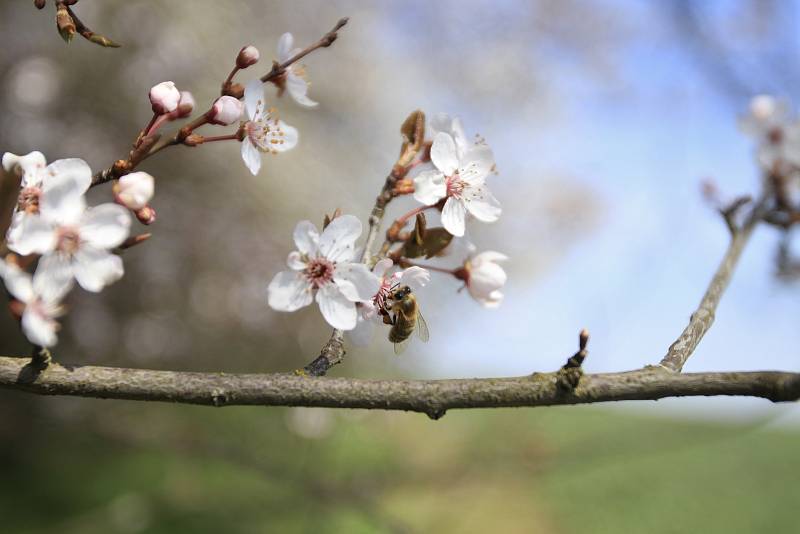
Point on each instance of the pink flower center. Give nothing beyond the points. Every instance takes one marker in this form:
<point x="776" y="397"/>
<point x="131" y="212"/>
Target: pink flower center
<point x="455" y="185"/>
<point x="28" y="200"/>
<point x="319" y="271"/>
<point x="68" y="240"/>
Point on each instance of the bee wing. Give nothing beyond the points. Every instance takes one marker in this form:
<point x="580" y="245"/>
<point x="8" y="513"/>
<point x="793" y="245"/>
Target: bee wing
<point x="422" y="328"/>
<point x="400" y="348"/>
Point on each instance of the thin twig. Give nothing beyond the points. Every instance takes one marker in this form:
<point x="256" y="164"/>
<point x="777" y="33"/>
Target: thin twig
<point x="703" y="317"/>
<point x="115" y="171"/>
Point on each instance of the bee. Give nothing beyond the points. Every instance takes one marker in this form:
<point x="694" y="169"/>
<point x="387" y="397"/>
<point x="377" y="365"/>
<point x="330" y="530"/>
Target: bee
<point x="402" y="312"/>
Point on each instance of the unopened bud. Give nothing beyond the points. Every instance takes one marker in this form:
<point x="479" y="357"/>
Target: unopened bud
<point x="193" y="140"/>
<point x="226" y="110"/>
<point x="185" y="105"/>
<point x="65" y="23"/>
<point x="164" y="97"/>
<point x="247" y="56"/>
<point x="146" y="215"/>
<point x="39" y="4"/>
<point x="135" y="240"/>
<point x="134" y="190"/>
<point x="236" y="90"/>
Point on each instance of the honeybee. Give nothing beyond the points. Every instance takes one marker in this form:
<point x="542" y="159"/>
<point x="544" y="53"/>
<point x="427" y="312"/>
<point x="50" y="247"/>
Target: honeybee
<point x="403" y="314"/>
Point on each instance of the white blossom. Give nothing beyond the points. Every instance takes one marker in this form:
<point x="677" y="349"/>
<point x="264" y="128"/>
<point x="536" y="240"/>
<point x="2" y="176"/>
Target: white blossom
<point x="459" y="176"/>
<point x="777" y="134"/>
<point x="41" y="298"/>
<point x="134" y="190"/>
<point x="74" y="241"/>
<point x="164" y="98"/>
<point x="36" y="179"/>
<point x="485" y="278"/>
<point x="264" y="131"/>
<point x="296" y="82"/>
<point x="370" y="311"/>
<point x="323" y="267"/>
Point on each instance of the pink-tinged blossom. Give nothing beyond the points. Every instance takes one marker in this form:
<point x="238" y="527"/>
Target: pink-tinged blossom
<point x="370" y="311"/>
<point x="225" y="111"/>
<point x="134" y="190"/>
<point x="164" y="98"/>
<point x="74" y="241"/>
<point x="296" y="82"/>
<point x="36" y="179"/>
<point x="323" y="268"/>
<point x="41" y="296"/>
<point x="248" y="56"/>
<point x="264" y="132"/>
<point x="461" y="180"/>
<point x="484" y="277"/>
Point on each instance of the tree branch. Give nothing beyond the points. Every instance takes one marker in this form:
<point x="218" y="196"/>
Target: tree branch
<point x="432" y="397"/>
<point x="703" y="317"/>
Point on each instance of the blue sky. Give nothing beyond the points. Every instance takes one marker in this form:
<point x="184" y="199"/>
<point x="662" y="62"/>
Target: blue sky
<point x="641" y="148"/>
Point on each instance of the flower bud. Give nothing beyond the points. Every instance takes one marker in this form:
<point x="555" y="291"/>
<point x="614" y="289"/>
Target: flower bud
<point x="134" y="190"/>
<point x="247" y="56"/>
<point x="484" y="277"/>
<point x="39" y="4"/>
<point x="146" y="215"/>
<point x="185" y="105"/>
<point x="226" y="110"/>
<point x="164" y="97"/>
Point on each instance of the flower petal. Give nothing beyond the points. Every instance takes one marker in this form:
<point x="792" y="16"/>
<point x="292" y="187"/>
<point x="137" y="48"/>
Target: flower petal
<point x="74" y="169"/>
<point x="63" y="202"/>
<point x="453" y="216"/>
<point x="29" y="166"/>
<point x="462" y="143"/>
<point x="295" y="261"/>
<point x="440" y="123"/>
<point x="39" y="328"/>
<point x="382" y="266"/>
<point x="288" y="137"/>
<point x="429" y="187"/>
<point x="362" y="334"/>
<point x="53" y="277"/>
<point x="337" y="242"/>
<point x="337" y="309"/>
<point x="35" y="235"/>
<point x="285" y="44"/>
<point x="289" y="291"/>
<point x="298" y="90"/>
<point x="415" y="277"/>
<point x="476" y="164"/>
<point x="251" y="156"/>
<point x="17" y="282"/>
<point x="481" y="204"/>
<point x="362" y="284"/>
<point x="306" y="238"/>
<point x="443" y="154"/>
<point x="105" y="226"/>
<point x="95" y="268"/>
<point x="254" y="98"/>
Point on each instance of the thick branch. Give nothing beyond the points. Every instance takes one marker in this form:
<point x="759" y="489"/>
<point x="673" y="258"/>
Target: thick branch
<point x="432" y="397"/>
<point x="703" y="317"/>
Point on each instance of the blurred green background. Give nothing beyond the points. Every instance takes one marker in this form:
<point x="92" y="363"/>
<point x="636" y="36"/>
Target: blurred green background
<point x="603" y="116"/>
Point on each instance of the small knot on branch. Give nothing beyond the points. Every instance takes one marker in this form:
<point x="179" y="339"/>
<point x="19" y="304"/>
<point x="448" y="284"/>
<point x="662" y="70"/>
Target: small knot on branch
<point x="570" y="374"/>
<point x="331" y="354"/>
